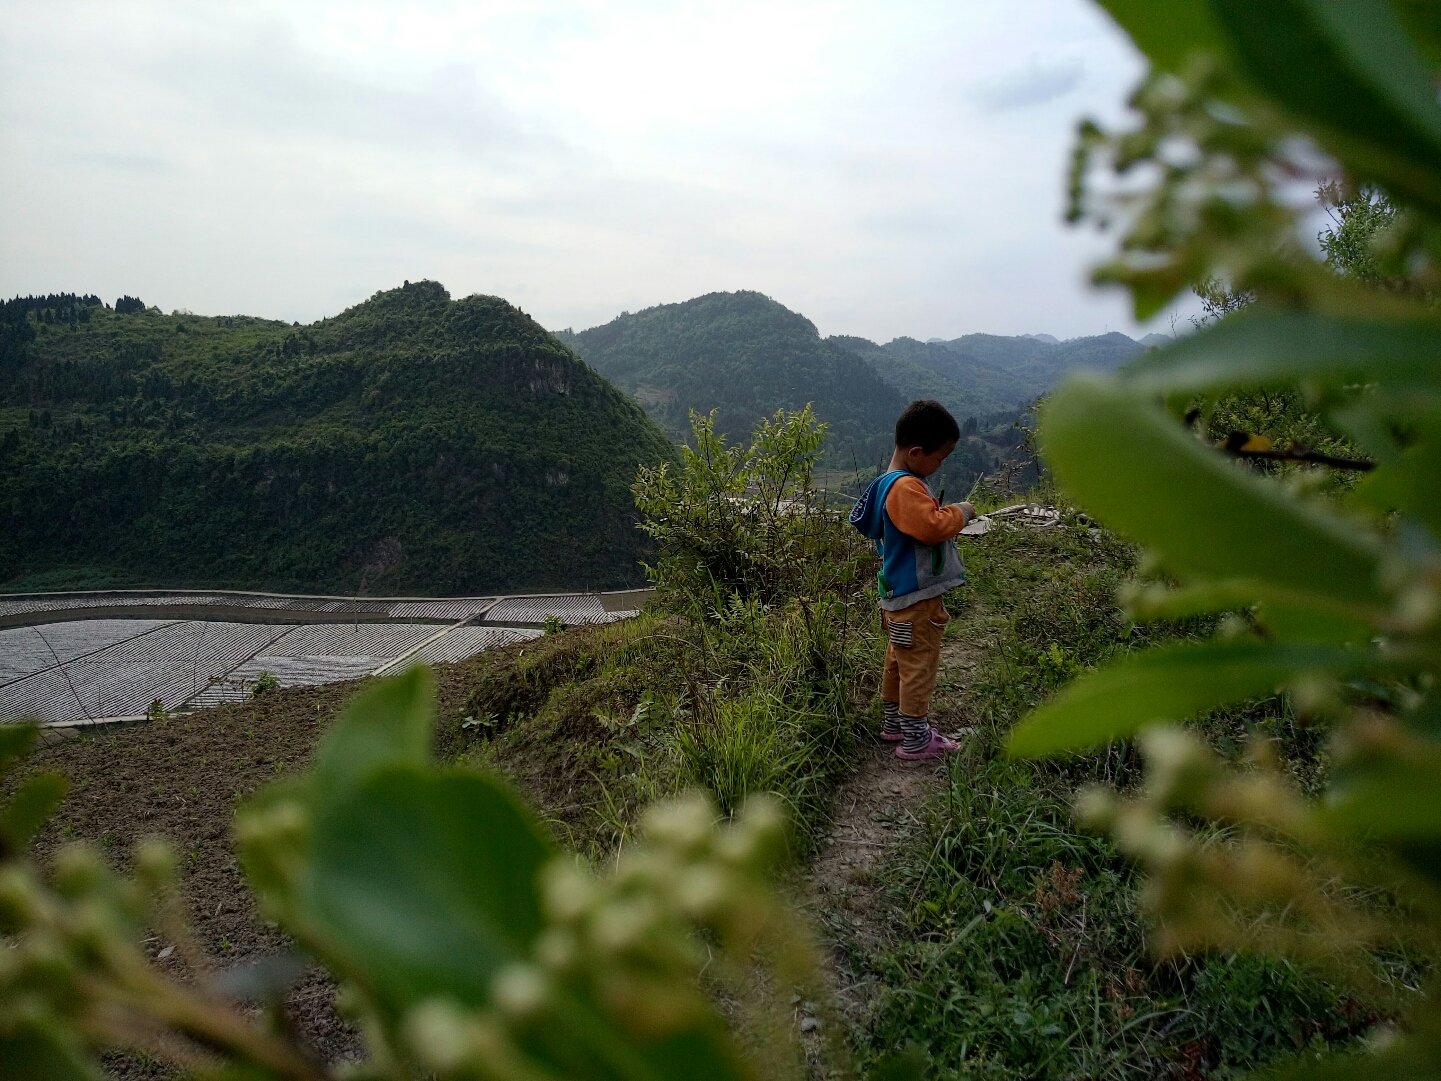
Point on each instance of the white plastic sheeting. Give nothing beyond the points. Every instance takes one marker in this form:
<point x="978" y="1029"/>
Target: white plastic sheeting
<point x="87" y="668"/>
<point x="171" y="664"/>
<point x="317" y="653"/>
<point x="27" y="650"/>
<point x="460" y="642"/>
<point x="572" y="609"/>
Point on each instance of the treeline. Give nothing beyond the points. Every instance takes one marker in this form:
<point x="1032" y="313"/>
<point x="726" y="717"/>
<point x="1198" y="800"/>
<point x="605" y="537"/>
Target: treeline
<point x="412" y="443"/>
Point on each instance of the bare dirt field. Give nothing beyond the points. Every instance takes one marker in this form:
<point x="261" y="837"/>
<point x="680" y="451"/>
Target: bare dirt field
<point x="181" y="779"/>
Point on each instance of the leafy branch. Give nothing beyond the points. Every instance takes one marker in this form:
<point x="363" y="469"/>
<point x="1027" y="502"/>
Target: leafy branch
<point x="1342" y="596"/>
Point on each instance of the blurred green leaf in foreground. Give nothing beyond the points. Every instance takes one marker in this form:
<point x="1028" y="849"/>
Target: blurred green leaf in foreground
<point x="1335" y="599"/>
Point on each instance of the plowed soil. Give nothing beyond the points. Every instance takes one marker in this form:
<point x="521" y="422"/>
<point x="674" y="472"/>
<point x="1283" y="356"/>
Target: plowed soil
<point x="181" y="779"/>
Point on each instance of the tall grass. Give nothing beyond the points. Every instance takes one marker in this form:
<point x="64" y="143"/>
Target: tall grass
<point x="746" y="675"/>
<point x="1017" y="950"/>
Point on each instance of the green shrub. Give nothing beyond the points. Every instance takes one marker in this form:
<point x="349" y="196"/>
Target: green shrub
<point x="1335" y="600"/>
<point x="744" y="520"/>
<point x="468" y="945"/>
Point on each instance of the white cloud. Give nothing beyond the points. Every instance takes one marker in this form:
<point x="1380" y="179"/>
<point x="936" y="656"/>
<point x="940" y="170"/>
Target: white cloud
<point x="885" y="170"/>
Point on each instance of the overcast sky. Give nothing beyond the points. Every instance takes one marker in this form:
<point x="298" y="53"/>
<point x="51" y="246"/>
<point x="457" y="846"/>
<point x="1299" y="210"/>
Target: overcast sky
<point x="885" y="169"/>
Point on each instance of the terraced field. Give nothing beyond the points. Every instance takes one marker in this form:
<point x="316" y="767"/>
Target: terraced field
<point x="78" y="658"/>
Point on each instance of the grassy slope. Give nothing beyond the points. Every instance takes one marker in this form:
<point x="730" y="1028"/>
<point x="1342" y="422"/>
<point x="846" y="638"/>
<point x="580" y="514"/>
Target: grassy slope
<point x="1015" y="946"/>
<point x="1006" y="944"/>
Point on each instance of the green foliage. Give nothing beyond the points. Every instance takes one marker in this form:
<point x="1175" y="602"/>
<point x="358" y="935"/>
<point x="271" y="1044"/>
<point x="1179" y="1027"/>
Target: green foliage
<point x="769" y="581"/>
<point x="1356" y="245"/>
<point x="468" y="946"/>
<point x="741" y="520"/>
<point x="264" y="684"/>
<point x="31" y="803"/>
<point x="412" y="442"/>
<point x="1337" y="599"/>
<point x="743" y="356"/>
<point x="1016" y="941"/>
<point x="743" y="677"/>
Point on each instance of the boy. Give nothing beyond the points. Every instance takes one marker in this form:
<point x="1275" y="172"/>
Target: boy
<point x="914" y="536"/>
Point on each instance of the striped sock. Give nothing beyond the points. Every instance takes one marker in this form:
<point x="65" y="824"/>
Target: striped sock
<point x="891" y="725"/>
<point x="917" y="731"/>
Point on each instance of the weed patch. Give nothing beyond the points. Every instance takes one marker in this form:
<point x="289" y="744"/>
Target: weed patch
<point x="1017" y="948"/>
<point x="746" y="676"/>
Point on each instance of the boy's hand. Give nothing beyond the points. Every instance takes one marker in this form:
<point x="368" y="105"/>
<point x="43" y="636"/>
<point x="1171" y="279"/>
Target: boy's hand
<point x="968" y="510"/>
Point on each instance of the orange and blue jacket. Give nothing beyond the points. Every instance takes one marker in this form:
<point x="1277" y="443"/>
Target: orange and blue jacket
<point x="914" y="536"/>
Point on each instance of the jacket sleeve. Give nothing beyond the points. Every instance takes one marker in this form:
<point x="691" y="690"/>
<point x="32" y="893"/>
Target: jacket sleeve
<point x="916" y="513"/>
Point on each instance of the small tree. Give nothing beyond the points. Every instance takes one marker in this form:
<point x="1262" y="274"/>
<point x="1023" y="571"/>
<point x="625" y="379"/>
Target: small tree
<point x="744" y="521"/>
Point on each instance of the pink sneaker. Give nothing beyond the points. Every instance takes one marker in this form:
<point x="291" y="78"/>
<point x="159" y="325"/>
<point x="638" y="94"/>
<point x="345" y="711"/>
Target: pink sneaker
<point x="892" y="737"/>
<point x="938" y="747"/>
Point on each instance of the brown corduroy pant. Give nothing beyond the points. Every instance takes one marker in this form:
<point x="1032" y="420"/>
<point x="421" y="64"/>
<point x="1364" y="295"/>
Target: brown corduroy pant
<point x="913" y="654"/>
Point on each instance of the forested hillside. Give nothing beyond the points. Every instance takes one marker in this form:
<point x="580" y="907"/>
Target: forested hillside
<point x="745" y="356"/>
<point x="413" y="442"/>
<point x="989" y="373"/>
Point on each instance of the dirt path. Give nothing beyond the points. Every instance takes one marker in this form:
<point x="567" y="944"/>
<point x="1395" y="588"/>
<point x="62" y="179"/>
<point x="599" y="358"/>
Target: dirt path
<point x="873" y="813"/>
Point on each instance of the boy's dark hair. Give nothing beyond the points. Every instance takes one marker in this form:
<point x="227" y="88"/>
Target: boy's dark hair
<point x="926" y="424"/>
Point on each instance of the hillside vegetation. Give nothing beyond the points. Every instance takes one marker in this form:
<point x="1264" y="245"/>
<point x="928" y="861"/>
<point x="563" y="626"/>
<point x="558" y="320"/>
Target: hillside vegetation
<point x="988" y="373"/>
<point x="745" y="356"/>
<point x="413" y="442"/>
<point x="1001" y="936"/>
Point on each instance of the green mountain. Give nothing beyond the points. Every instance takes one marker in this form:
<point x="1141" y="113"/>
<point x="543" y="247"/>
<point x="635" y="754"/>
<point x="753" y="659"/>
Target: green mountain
<point x="984" y="374"/>
<point x="911" y="377"/>
<point x="411" y="443"/>
<point x="745" y="356"/>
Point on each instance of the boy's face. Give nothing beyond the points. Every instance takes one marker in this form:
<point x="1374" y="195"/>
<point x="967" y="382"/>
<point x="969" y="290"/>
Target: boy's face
<point x="925" y="462"/>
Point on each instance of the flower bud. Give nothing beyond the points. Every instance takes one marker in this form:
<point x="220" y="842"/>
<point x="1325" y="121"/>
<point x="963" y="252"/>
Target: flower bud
<point x="1179" y="765"/>
<point x="644" y="867"/>
<point x="685" y="824"/>
<point x="79" y="871"/>
<point x="437" y="1033"/>
<point x="1232" y="627"/>
<point x="702" y="891"/>
<point x="568" y="891"/>
<point x="520" y="991"/>
<point x="1096" y="807"/>
<point x="22" y="899"/>
<point x="557" y="951"/>
<point x="1417" y="607"/>
<point x="155" y="863"/>
<point x="1314" y="696"/>
<point x="622" y="926"/>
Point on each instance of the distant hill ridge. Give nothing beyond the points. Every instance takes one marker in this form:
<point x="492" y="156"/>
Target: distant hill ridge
<point x="746" y="355"/>
<point x="988" y="373"/>
<point x="411" y="443"/>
